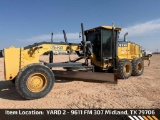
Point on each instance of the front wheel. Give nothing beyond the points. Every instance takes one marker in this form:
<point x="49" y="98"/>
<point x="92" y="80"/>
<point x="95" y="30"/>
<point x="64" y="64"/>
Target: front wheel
<point x="34" y="81"/>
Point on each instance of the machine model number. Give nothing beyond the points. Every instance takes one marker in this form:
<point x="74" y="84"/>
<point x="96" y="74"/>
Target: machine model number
<point x="57" y="47"/>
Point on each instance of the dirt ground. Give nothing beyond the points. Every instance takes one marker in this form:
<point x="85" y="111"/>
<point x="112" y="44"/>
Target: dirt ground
<point x="135" y="92"/>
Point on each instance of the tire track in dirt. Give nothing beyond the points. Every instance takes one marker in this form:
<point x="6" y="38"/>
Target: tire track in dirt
<point x="149" y="90"/>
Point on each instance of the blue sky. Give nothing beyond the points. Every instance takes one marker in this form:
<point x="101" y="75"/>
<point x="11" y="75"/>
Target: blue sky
<point x="24" y="22"/>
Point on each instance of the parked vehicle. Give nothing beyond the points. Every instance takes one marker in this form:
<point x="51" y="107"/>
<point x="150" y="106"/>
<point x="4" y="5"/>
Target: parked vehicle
<point x="146" y="53"/>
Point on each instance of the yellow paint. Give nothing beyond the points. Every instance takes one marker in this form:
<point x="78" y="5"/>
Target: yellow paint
<point x="36" y="82"/>
<point x="98" y="63"/>
<point x="12" y="62"/>
<point x="17" y="58"/>
<point x="150" y="118"/>
<point x="155" y="118"/>
<point x="105" y="27"/>
<point x="144" y="117"/>
<point x="130" y="51"/>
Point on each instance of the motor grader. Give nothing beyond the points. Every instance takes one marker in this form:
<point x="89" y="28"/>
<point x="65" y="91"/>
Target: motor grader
<point x="105" y="59"/>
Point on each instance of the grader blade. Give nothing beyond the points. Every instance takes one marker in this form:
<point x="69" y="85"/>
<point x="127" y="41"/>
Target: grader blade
<point x="85" y="76"/>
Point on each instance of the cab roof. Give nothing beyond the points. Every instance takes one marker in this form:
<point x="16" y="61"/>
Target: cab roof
<point x="105" y="27"/>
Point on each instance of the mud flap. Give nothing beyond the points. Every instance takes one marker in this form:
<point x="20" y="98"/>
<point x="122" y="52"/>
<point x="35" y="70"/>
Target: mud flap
<point x="85" y="76"/>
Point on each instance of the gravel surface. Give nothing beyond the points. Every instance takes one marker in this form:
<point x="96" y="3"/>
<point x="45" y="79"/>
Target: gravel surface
<point x="135" y="92"/>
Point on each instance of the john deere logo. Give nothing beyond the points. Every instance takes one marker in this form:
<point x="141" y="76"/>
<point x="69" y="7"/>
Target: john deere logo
<point x="57" y="47"/>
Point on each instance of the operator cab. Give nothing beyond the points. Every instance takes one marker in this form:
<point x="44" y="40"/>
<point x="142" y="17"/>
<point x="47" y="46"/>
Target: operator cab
<point x="101" y="40"/>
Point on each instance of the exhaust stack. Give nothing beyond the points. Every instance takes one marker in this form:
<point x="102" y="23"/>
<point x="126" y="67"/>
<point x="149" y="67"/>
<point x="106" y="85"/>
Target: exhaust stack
<point x="65" y="37"/>
<point x="125" y="36"/>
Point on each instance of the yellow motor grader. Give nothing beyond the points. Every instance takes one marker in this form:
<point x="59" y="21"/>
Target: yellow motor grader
<point x="105" y="59"/>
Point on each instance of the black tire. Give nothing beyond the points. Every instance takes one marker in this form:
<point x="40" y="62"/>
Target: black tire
<point x="110" y="70"/>
<point x="124" y="69"/>
<point x="149" y="55"/>
<point x="34" y="81"/>
<point x="138" y="67"/>
<point x="97" y="69"/>
<point x="13" y="81"/>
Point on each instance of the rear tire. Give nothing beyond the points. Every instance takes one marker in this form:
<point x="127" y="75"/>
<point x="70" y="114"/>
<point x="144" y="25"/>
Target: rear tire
<point x="124" y="69"/>
<point x="138" y="67"/>
<point x="34" y="81"/>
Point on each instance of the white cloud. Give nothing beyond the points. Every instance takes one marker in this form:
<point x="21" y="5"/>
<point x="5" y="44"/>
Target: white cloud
<point x="145" y="34"/>
<point x="142" y="28"/>
<point x="56" y="37"/>
<point x="136" y="30"/>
